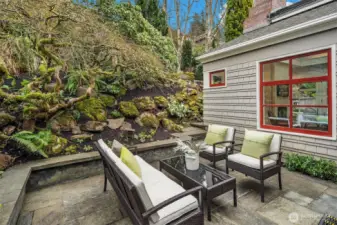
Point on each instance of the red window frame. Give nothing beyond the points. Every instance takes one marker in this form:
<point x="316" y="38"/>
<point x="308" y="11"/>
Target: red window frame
<point x="220" y="84"/>
<point x="290" y="82"/>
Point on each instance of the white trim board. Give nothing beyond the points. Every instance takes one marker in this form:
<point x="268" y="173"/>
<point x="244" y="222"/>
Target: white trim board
<point x="333" y="74"/>
<point x="300" y="30"/>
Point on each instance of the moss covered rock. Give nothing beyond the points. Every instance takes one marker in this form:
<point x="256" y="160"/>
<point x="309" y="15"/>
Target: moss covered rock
<point x="63" y="122"/>
<point x="57" y="145"/>
<point x="71" y="149"/>
<point x="108" y="100"/>
<point x="94" y="108"/>
<point x="148" y="120"/>
<point x="5" y="119"/>
<point x="144" y="103"/>
<point x="161" y="101"/>
<point x="128" y="109"/>
<point x="172" y="126"/>
<point x="162" y="115"/>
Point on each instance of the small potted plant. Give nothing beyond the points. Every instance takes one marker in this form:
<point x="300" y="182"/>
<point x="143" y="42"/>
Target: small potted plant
<point x="191" y="152"/>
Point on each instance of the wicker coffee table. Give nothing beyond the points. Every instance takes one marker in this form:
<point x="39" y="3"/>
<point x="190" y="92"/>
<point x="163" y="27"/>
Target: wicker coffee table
<point x="213" y="181"/>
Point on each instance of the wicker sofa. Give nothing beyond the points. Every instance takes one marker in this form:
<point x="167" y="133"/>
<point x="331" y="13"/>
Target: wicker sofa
<point x="154" y="198"/>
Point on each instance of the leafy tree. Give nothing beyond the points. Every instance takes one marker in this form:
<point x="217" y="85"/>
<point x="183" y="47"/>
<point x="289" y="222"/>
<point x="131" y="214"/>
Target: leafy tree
<point x="237" y="12"/>
<point x="154" y="14"/>
<point x="186" y="57"/>
<point x="198" y="24"/>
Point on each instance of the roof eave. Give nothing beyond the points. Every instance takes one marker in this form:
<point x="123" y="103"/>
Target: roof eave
<point x="300" y="30"/>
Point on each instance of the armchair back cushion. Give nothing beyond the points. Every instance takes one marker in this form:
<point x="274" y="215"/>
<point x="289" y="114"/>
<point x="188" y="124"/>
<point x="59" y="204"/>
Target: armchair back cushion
<point x="256" y="143"/>
<point x="215" y="133"/>
<point x="275" y="146"/>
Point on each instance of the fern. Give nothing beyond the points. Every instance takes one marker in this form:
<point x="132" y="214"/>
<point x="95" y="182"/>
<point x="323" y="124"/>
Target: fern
<point x="33" y="143"/>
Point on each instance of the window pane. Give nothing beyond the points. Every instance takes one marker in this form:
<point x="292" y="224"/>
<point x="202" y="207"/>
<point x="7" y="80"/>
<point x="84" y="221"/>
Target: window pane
<point x="276" y="116"/>
<point x="310" y="66"/>
<point x="218" y="77"/>
<point x="310" y="93"/>
<point x="311" y="118"/>
<point x="276" y="71"/>
<point x="278" y="94"/>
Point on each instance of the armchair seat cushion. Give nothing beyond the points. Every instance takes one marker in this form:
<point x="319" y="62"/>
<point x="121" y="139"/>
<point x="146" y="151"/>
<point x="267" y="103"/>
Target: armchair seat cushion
<point x="160" y="188"/>
<point x="209" y="149"/>
<point x="250" y="161"/>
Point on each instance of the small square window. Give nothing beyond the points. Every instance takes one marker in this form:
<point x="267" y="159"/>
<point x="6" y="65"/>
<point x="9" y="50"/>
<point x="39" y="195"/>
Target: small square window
<point x="217" y="78"/>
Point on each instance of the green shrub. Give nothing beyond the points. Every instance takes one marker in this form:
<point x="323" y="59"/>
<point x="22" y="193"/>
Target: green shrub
<point x="324" y="169"/>
<point x="116" y="114"/>
<point x="177" y="109"/>
<point x="33" y="143"/>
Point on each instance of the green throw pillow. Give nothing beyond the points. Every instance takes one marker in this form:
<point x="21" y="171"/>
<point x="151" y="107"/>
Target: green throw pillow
<point x="215" y="133"/>
<point x="130" y="161"/>
<point x="323" y="119"/>
<point x="256" y="143"/>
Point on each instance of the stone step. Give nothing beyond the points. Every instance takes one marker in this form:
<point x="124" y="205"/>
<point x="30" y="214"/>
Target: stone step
<point x="201" y="125"/>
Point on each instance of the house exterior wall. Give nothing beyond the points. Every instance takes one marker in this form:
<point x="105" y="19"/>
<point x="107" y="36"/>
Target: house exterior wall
<point x="236" y="104"/>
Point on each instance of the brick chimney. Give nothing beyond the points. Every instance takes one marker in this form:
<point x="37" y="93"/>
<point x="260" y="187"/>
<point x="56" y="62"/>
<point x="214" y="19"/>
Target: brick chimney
<point x="258" y="14"/>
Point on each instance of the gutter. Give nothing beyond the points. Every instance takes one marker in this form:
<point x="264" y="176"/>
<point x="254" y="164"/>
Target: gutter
<point x="272" y="38"/>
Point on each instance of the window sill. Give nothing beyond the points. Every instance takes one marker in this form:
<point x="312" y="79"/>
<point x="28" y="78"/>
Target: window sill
<point x="332" y="138"/>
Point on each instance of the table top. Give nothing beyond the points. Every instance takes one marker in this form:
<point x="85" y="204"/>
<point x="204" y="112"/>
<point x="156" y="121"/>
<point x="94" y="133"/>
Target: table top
<point x="205" y="175"/>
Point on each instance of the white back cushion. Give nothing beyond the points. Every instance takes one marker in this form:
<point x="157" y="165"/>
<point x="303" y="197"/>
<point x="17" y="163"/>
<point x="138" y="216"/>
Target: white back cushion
<point x="108" y="151"/>
<point x="275" y="146"/>
<point x="138" y="183"/>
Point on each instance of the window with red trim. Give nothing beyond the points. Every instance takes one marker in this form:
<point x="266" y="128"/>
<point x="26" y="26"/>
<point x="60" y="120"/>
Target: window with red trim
<point x="217" y="78"/>
<point x="296" y="94"/>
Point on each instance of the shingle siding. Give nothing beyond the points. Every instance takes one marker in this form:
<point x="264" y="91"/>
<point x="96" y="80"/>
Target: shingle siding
<point x="236" y="106"/>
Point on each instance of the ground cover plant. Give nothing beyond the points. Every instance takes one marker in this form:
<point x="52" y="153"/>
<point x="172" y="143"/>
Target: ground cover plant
<point x="70" y="74"/>
<point x="322" y="168"/>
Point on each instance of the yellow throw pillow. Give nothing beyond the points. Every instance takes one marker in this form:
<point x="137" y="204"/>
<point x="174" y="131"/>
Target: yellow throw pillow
<point x="256" y="143"/>
<point x="215" y="133"/>
<point x="130" y="161"/>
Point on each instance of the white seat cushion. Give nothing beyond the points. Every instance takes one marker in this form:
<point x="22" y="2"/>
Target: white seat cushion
<point x="108" y="151"/>
<point x="160" y="188"/>
<point x="209" y="149"/>
<point x="250" y="161"/>
<point x="138" y="183"/>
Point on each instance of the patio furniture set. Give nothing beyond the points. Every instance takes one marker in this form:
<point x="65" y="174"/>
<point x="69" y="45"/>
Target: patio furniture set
<point x="153" y="198"/>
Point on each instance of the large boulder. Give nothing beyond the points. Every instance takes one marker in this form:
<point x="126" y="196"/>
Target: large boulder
<point x="127" y="127"/>
<point x="5" y="161"/>
<point x="128" y="109"/>
<point x="9" y="130"/>
<point x="147" y="119"/>
<point x="5" y="119"/>
<point x="93" y="126"/>
<point x="63" y="122"/>
<point x="144" y="103"/>
<point x="115" y="123"/>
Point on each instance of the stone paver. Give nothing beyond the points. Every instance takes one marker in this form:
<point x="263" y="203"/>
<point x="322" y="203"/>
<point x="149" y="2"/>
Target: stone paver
<point x="297" y="198"/>
<point x="82" y="202"/>
<point x="285" y="212"/>
<point x="325" y="204"/>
